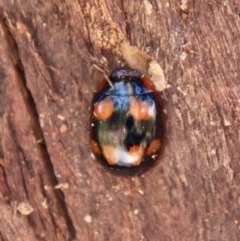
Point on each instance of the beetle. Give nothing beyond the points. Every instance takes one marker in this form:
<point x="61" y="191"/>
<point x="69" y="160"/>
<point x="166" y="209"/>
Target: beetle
<point x="127" y="126"/>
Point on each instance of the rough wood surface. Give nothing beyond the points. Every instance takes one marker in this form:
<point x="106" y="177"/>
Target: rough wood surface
<point x="50" y="186"/>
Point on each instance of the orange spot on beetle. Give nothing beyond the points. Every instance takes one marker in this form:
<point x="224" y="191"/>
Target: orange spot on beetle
<point x="141" y="110"/>
<point x="101" y="85"/>
<point x="95" y="148"/>
<point x="110" y="154"/>
<point x="103" y="109"/>
<point x="154" y="146"/>
<point x="148" y="83"/>
<point x="135" y="155"/>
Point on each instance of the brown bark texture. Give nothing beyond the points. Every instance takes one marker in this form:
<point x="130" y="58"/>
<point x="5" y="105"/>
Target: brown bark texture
<point x="51" y="187"/>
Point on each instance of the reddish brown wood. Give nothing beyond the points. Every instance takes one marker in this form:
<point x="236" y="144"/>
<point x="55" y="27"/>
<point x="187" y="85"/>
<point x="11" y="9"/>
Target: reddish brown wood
<point x="47" y="78"/>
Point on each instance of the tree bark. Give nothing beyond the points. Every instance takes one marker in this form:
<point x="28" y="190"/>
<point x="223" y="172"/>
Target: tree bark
<point x="51" y="188"/>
